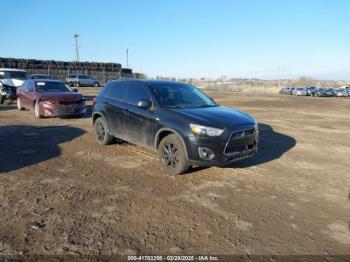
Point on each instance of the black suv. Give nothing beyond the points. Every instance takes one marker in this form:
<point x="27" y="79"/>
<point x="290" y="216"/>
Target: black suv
<point x="178" y="120"/>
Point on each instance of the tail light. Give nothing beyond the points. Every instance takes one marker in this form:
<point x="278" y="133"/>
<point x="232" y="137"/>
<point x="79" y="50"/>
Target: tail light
<point x="94" y="101"/>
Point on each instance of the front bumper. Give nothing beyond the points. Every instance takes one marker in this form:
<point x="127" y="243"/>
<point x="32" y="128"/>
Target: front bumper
<point x="52" y="110"/>
<point x="227" y="148"/>
<point x="8" y="92"/>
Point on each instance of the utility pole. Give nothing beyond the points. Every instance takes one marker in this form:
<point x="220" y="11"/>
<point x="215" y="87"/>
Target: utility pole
<point x="279" y="77"/>
<point x="75" y="35"/>
<point x="127" y="58"/>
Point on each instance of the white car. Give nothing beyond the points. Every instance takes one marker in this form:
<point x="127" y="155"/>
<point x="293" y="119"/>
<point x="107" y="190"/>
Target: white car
<point x="13" y="77"/>
<point x="10" y="79"/>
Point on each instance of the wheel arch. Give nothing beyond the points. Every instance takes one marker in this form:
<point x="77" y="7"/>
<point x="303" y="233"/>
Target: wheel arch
<point x="163" y="132"/>
<point x="95" y="116"/>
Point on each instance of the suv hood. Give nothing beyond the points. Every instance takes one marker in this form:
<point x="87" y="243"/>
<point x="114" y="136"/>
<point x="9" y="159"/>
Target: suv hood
<point x="12" y="82"/>
<point x="218" y="116"/>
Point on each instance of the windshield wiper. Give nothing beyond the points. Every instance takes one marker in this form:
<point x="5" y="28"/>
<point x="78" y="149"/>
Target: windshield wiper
<point x="207" y="105"/>
<point x="176" y="107"/>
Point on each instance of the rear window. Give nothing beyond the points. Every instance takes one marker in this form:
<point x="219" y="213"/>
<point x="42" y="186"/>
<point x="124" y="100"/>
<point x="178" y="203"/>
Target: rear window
<point x="52" y="87"/>
<point x="117" y="90"/>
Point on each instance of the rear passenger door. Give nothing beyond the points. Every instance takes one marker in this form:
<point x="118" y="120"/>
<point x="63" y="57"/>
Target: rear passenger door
<point x="115" y="108"/>
<point x="83" y="80"/>
<point x="140" y="123"/>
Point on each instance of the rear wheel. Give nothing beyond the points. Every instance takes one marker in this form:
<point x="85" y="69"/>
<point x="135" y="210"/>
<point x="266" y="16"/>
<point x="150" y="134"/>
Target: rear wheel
<point x="172" y="155"/>
<point x="19" y="104"/>
<point x="101" y="131"/>
<point x="37" y="110"/>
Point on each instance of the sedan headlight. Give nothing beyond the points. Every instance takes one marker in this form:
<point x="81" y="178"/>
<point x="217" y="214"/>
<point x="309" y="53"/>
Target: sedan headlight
<point x="205" y="130"/>
<point x="48" y="100"/>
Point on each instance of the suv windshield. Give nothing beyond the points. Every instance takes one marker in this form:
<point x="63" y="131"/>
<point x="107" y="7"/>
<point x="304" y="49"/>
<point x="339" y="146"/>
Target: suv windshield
<point x="176" y="95"/>
<point x="52" y="87"/>
<point x="13" y="75"/>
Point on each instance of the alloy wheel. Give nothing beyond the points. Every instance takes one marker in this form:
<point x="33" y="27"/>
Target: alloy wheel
<point x="170" y="156"/>
<point x="100" y="131"/>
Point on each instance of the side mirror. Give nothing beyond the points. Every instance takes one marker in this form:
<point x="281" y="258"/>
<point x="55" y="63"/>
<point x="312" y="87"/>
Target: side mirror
<point x="144" y="104"/>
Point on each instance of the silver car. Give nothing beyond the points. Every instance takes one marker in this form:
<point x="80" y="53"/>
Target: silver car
<point x="82" y="80"/>
<point x="300" y="91"/>
<point x="341" y="92"/>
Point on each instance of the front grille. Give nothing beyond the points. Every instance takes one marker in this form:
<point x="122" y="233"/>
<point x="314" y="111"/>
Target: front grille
<point x="241" y="141"/>
<point x="70" y="103"/>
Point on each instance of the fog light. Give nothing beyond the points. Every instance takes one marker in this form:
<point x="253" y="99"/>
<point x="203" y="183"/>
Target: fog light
<point x="205" y="153"/>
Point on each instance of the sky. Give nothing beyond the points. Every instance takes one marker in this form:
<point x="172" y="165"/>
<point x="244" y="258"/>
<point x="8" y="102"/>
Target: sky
<point x="186" y="38"/>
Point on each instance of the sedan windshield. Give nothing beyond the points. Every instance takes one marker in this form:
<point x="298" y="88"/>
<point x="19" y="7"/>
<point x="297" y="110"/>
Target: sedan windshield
<point x="52" y="87"/>
<point x="176" y="95"/>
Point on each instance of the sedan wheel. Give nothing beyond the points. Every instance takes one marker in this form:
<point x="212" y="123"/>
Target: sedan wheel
<point x="37" y="110"/>
<point x="19" y="104"/>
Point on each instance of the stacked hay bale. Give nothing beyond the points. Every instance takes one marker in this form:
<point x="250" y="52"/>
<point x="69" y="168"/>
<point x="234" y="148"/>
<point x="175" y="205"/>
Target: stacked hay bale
<point x="60" y="69"/>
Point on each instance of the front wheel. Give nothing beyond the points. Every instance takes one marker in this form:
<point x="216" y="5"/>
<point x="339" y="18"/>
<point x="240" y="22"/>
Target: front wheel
<point x="37" y="110"/>
<point x="172" y="155"/>
<point x="101" y="131"/>
<point x="19" y="104"/>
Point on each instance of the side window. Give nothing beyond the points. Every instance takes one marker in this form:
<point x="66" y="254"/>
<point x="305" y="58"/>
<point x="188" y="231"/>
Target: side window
<point x="117" y="90"/>
<point x="2" y="75"/>
<point x="30" y="86"/>
<point x="136" y="92"/>
<point x="24" y="86"/>
<point x="104" y="91"/>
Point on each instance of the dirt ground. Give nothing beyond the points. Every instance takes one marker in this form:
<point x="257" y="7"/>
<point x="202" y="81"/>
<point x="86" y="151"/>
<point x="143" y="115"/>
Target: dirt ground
<point x="293" y="198"/>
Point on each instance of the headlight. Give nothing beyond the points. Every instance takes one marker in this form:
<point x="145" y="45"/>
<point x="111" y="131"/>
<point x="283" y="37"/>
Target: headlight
<point x="48" y="100"/>
<point x="205" y="130"/>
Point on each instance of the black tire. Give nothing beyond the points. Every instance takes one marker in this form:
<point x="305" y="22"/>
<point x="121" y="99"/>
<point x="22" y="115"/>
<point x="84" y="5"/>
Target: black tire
<point x="96" y="84"/>
<point x="172" y="155"/>
<point x="37" y="111"/>
<point x="101" y="131"/>
<point x="2" y="99"/>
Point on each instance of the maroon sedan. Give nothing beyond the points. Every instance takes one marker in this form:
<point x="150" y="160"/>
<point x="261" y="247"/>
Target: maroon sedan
<point x="50" y="98"/>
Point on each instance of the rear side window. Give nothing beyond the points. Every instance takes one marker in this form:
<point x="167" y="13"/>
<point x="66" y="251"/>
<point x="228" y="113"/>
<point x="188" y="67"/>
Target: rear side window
<point x="136" y="92"/>
<point x="117" y="90"/>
